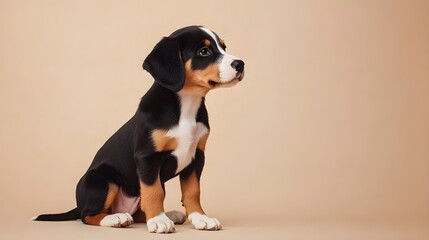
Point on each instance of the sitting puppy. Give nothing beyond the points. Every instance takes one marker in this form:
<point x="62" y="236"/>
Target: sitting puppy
<point x="165" y="138"/>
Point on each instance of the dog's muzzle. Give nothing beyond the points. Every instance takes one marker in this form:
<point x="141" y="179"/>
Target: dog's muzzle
<point x="238" y="65"/>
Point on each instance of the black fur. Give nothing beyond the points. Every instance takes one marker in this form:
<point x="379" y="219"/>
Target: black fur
<point x="70" y="215"/>
<point x="165" y="65"/>
<point x="129" y="155"/>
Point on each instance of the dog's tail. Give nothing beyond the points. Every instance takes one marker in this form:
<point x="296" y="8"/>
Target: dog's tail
<point x="70" y="215"/>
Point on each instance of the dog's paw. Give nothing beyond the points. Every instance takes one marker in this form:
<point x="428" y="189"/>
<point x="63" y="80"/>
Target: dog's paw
<point x="160" y="224"/>
<point x="176" y="216"/>
<point x="202" y="222"/>
<point x="117" y="220"/>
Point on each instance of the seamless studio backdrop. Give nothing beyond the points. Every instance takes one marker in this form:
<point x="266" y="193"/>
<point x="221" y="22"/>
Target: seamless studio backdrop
<point x="330" y="124"/>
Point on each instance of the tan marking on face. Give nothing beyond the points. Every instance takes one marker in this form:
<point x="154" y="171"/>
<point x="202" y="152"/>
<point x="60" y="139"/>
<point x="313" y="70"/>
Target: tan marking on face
<point x="162" y="142"/>
<point x="151" y="199"/>
<point x="202" y="143"/>
<point x="197" y="81"/>
<point x="95" y="219"/>
<point x="207" y="42"/>
<point x="190" y="187"/>
<point x="222" y="43"/>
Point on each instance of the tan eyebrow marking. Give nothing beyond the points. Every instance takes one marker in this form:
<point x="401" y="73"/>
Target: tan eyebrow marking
<point x="207" y="42"/>
<point x="212" y="35"/>
<point x="222" y="43"/>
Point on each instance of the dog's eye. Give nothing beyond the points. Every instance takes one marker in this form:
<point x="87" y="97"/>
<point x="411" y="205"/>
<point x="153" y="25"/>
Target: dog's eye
<point x="204" y="52"/>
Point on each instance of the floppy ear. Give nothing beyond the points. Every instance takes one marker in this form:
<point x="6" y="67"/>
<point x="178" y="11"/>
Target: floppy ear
<point x="164" y="63"/>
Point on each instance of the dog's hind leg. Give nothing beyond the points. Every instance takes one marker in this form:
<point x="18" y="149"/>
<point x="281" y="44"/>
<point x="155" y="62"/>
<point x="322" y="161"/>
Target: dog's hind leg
<point x="95" y="195"/>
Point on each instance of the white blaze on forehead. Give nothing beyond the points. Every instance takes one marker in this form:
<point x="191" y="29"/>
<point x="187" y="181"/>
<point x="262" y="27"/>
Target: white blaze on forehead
<point x="226" y="71"/>
<point x="209" y="32"/>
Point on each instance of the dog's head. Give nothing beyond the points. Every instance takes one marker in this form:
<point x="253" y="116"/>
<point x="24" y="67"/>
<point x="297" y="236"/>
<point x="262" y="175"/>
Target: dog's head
<point x="193" y="60"/>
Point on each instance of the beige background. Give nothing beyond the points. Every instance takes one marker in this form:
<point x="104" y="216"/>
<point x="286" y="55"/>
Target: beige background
<point x="326" y="137"/>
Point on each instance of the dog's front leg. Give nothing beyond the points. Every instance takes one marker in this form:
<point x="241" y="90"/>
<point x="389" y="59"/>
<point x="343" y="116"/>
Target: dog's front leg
<point x="190" y="186"/>
<point x="152" y="195"/>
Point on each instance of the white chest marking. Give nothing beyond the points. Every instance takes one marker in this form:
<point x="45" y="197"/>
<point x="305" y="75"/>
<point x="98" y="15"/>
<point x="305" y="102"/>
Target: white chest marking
<point x="188" y="132"/>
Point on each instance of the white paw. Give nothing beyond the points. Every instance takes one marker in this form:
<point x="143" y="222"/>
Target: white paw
<point x="117" y="220"/>
<point x="202" y="222"/>
<point x="176" y="216"/>
<point x="160" y="224"/>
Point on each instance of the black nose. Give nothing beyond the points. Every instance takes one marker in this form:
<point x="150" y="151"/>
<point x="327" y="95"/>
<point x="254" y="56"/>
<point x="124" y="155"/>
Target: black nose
<point x="238" y="65"/>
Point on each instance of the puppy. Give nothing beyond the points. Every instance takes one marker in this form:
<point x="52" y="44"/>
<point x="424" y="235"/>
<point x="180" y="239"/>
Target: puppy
<point x="165" y="138"/>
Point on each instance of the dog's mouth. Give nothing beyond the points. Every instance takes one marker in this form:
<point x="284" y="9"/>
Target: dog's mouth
<point x="213" y="83"/>
<point x="230" y="83"/>
<point x="237" y="78"/>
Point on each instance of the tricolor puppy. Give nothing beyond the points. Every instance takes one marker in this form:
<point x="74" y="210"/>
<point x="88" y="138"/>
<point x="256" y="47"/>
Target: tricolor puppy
<point x="165" y="138"/>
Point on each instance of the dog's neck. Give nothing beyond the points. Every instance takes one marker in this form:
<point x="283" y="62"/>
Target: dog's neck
<point x="189" y="105"/>
<point x="185" y="104"/>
